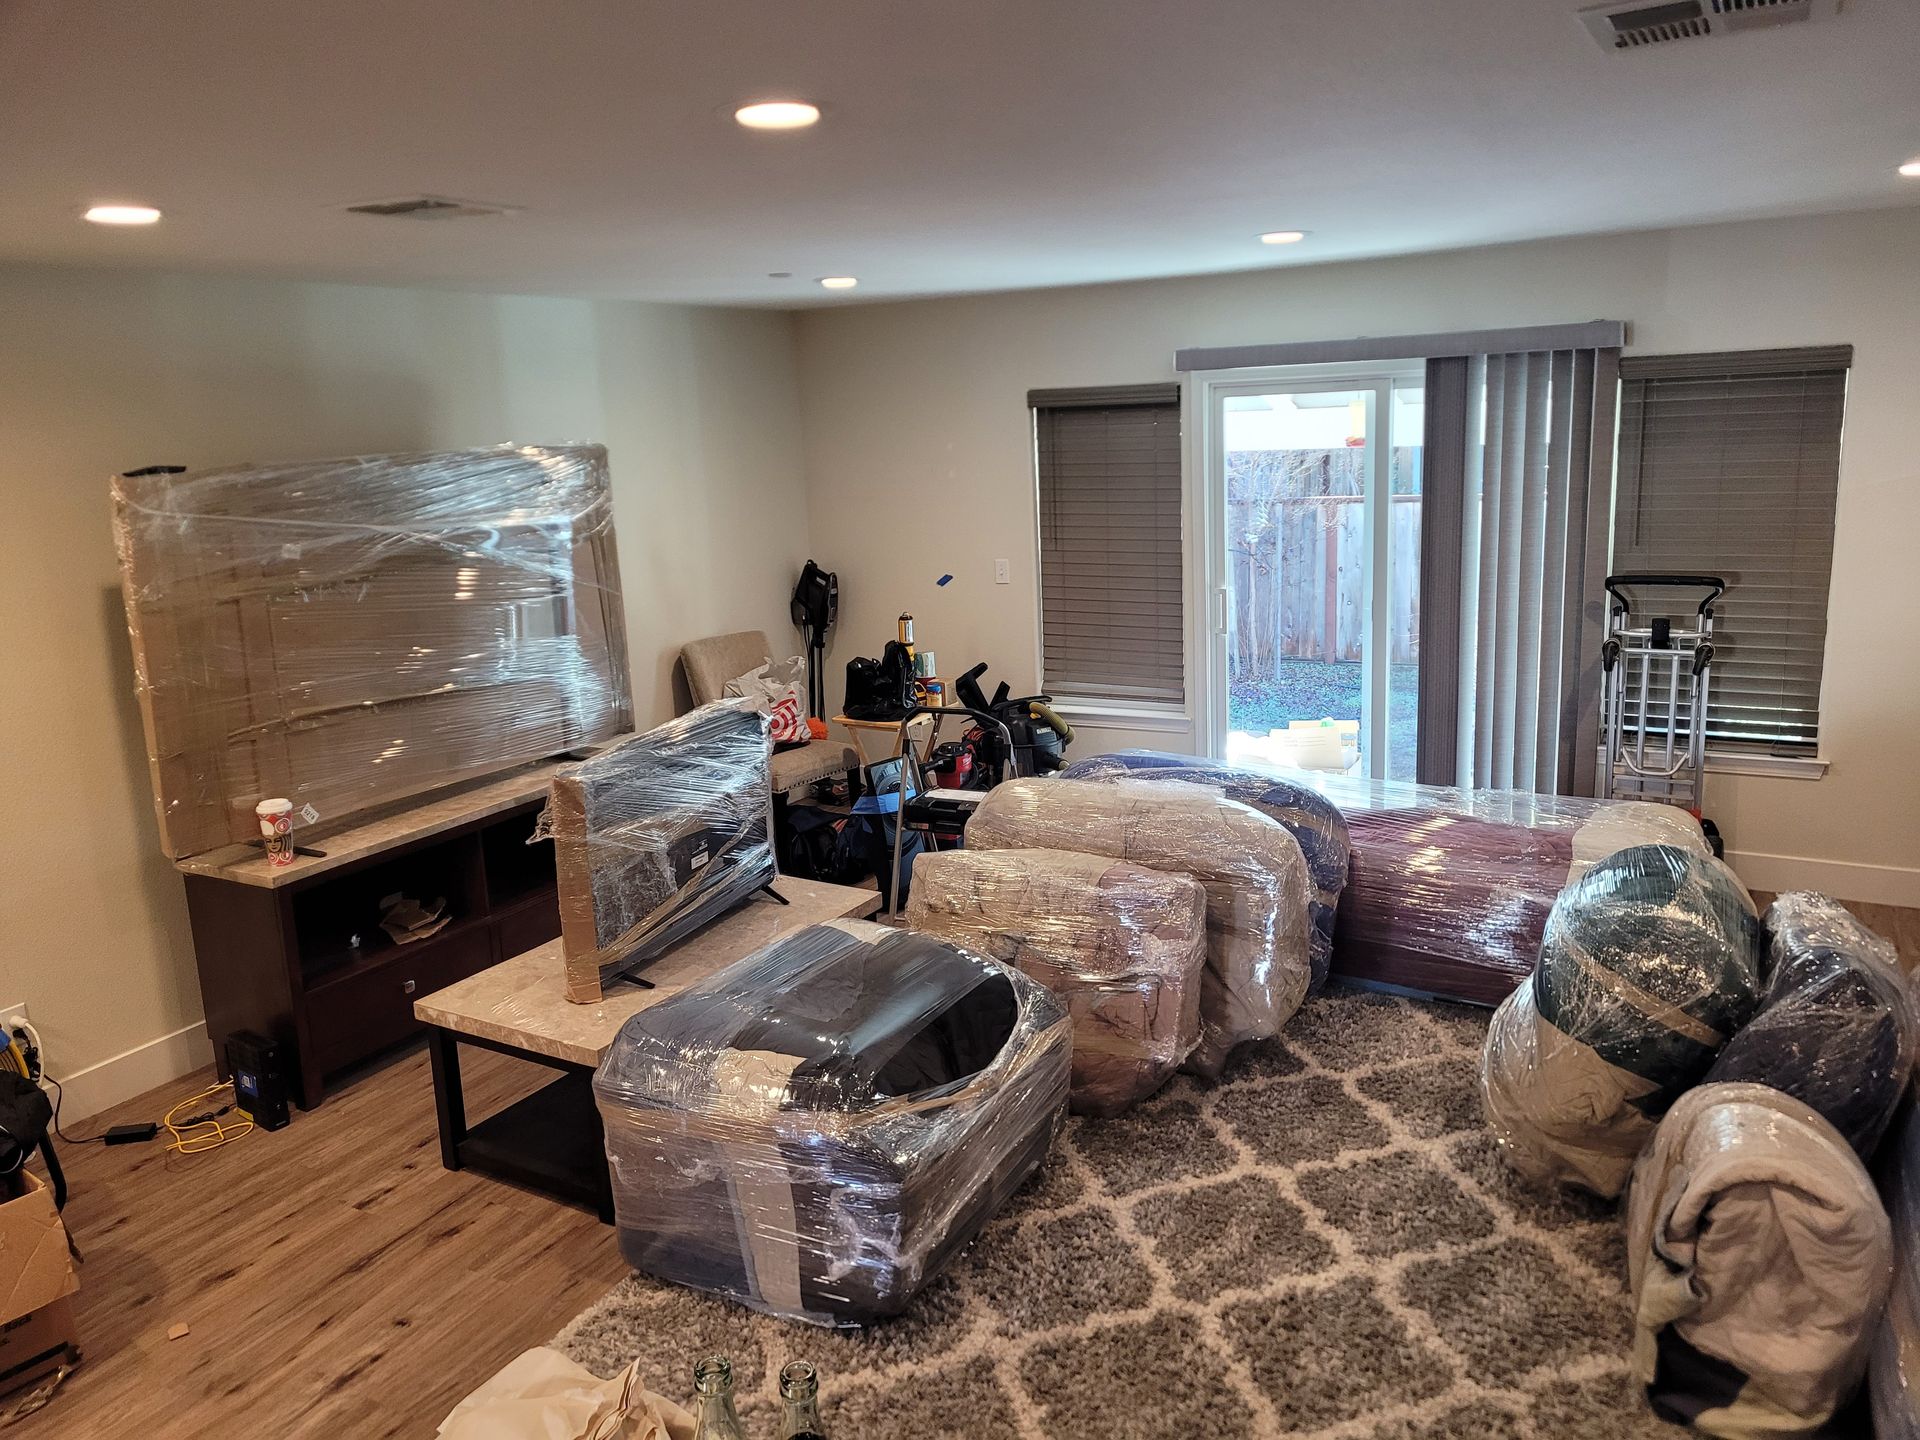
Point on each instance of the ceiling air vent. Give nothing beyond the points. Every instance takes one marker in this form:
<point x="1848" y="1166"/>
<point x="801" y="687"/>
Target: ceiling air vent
<point x="1637" y="24"/>
<point x="429" y="207"/>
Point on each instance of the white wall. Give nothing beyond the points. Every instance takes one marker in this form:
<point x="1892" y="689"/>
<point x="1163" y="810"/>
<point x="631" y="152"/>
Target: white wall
<point x="919" y="461"/>
<point x="102" y="371"/>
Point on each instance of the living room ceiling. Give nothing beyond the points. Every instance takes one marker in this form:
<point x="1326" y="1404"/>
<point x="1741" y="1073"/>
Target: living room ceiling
<point x="992" y="144"/>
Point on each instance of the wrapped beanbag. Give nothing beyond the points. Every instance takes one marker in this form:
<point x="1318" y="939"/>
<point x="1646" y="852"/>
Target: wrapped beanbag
<point x="1759" y="1258"/>
<point x="1650" y="962"/>
<point x="1252" y="869"/>
<point x="1836" y="1027"/>
<point x="1123" y="946"/>
<point x="1309" y="817"/>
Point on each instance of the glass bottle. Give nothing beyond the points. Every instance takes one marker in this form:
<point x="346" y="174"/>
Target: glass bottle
<point x="714" y="1417"/>
<point x="800" y="1402"/>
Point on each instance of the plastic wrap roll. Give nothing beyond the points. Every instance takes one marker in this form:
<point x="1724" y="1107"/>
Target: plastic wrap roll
<point x="1759" y="1258"/>
<point x="1123" y="946"/>
<point x="1836" y="1029"/>
<point x="658" y="836"/>
<point x="347" y="633"/>
<point x="1651" y="961"/>
<point x="1312" y="820"/>
<point x="1893" y="1376"/>
<point x="815" y="1130"/>
<point x="1252" y="869"/>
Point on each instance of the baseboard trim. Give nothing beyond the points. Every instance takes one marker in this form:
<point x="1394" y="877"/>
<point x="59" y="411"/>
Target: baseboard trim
<point x="1844" y="880"/>
<point x="133" y="1072"/>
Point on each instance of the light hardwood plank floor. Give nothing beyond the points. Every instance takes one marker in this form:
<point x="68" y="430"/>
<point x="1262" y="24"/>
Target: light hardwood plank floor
<point x="337" y="1280"/>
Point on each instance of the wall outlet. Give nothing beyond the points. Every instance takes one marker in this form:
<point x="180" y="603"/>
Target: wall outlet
<point x="1003" y="572"/>
<point x="11" y="1015"/>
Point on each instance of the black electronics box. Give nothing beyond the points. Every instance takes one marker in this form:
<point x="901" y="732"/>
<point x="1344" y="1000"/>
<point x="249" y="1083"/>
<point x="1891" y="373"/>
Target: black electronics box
<point x="259" y="1078"/>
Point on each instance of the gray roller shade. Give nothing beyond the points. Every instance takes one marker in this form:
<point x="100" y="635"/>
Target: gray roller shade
<point x="1729" y="464"/>
<point x="1111" y="589"/>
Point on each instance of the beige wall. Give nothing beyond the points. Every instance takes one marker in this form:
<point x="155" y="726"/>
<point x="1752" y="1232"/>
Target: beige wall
<point x="100" y="372"/>
<point x="919" y="460"/>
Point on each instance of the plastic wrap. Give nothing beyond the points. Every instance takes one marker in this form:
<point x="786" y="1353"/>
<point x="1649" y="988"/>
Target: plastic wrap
<point x="1313" y="821"/>
<point x="1759" y="1258"/>
<point x="815" y="1130"/>
<point x="1123" y="946"/>
<point x="347" y="633"/>
<point x="1893" y="1375"/>
<point x="1449" y="889"/>
<point x="1650" y="963"/>
<point x="658" y="836"/>
<point x="1255" y="878"/>
<point x="1836" y="1028"/>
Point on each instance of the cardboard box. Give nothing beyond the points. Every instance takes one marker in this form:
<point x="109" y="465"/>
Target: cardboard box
<point x="351" y="633"/>
<point x="37" y="1333"/>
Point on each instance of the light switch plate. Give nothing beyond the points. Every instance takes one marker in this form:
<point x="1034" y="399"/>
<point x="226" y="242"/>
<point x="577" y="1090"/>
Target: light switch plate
<point x="1003" y="572"/>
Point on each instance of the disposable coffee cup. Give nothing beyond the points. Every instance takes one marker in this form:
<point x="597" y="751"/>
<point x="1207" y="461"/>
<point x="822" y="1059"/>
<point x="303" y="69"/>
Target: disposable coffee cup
<point x="276" y="830"/>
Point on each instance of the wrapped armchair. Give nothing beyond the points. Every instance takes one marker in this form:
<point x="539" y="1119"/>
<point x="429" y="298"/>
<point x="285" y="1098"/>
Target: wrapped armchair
<point x="712" y="662"/>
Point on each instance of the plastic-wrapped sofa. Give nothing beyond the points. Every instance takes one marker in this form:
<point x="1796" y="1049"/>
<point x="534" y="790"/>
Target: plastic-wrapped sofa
<point x="1759" y="1257"/>
<point x="1123" y="946"/>
<point x="1312" y="820"/>
<point x="1836" y="1028"/>
<point x="816" y="1129"/>
<point x="1650" y="963"/>
<point x="1255" y="878"/>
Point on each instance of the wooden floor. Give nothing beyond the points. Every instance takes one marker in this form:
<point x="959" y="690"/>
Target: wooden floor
<point x="337" y="1280"/>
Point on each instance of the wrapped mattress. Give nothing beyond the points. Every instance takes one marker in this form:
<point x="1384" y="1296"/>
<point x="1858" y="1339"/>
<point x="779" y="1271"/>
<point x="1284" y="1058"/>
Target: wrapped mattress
<point x="1893" y="1374"/>
<point x="816" y="1129"/>
<point x="1759" y="1257"/>
<point x="1255" y="878"/>
<point x="1449" y="889"/>
<point x="1835" y="1029"/>
<point x="1308" y="816"/>
<point x="1651" y="961"/>
<point x="1123" y="946"/>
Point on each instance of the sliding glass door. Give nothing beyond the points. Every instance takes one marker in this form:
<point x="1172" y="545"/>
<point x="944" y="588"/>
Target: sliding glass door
<point x="1313" y="509"/>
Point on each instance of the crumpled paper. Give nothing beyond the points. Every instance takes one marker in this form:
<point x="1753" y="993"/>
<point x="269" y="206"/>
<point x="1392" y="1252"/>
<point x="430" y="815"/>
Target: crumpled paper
<point x="542" y="1395"/>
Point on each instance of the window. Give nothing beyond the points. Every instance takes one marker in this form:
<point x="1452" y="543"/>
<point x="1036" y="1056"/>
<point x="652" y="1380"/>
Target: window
<point x="1729" y="465"/>
<point x="1111" y="606"/>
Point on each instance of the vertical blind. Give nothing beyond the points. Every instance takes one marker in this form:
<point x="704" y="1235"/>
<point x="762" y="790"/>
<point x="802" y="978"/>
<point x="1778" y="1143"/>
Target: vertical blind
<point x="1729" y="465"/>
<point x="1111" y="594"/>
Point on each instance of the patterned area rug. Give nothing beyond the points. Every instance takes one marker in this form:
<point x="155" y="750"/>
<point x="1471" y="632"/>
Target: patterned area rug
<point x="1323" y="1245"/>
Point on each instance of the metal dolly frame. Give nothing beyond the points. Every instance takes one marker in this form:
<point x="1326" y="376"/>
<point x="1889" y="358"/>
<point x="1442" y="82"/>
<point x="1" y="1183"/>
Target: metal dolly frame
<point x="1648" y="662"/>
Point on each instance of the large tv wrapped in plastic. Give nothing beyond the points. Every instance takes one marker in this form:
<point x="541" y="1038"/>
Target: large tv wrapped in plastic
<point x="1893" y="1374"/>
<point x="350" y="633"/>
<point x="1313" y="821"/>
<point x="658" y="836"/>
<point x="815" y="1130"/>
<point x="1449" y="889"/>
<point x="1651" y="962"/>
<point x="1122" y="945"/>
<point x="1258" y="967"/>
<point x="1836" y="1027"/>
<point x="1759" y="1257"/>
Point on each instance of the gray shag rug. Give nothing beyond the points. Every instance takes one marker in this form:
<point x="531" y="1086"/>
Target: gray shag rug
<point x="1322" y="1245"/>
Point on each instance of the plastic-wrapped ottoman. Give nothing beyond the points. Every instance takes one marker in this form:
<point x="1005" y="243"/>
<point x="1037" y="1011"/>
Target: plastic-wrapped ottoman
<point x="1123" y="946"/>
<point x="815" y="1130"/>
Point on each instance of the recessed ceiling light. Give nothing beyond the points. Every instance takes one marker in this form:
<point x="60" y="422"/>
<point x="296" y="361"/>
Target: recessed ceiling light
<point x="1912" y="168"/>
<point x="122" y="215"/>
<point x="1283" y="237"/>
<point x="838" y="282"/>
<point x="777" y="115"/>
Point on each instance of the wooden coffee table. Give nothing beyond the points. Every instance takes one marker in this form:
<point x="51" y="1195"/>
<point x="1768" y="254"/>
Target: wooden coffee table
<point x="551" y="1140"/>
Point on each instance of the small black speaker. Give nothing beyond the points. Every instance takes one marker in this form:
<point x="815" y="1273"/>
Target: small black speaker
<point x="259" y="1079"/>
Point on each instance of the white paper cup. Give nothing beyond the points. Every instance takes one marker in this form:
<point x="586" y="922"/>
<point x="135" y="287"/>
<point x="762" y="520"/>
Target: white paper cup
<point x="276" y="829"/>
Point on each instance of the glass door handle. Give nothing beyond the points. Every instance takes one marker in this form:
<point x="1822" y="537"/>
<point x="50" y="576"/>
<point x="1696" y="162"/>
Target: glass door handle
<point x="1220" y="610"/>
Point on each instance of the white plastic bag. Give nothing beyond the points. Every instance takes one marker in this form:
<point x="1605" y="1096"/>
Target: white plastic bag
<point x="542" y="1395"/>
<point x="777" y="687"/>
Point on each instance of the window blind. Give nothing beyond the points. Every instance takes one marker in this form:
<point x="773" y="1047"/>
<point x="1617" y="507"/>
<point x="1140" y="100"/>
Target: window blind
<point x="1729" y="465"/>
<point x="1111" y="593"/>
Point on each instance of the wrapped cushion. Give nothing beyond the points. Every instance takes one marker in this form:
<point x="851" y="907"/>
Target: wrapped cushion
<point x="1308" y="816"/>
<point x="1122" y="945"/>
<point x="1759" y="1257"/>
<point x="1255" y="878"/>
<point x="1836" y="1028"/>
<point x="816" y="1129"/>
<point x="1651" y="961"/>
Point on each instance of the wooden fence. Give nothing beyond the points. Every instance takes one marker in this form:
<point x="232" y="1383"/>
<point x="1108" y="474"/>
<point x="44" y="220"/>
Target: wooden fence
<point x="1297" y="564"/>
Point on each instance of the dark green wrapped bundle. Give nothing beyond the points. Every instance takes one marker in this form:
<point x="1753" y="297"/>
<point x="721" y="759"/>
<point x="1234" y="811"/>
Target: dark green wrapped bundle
<point x="1651" y="961"/>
